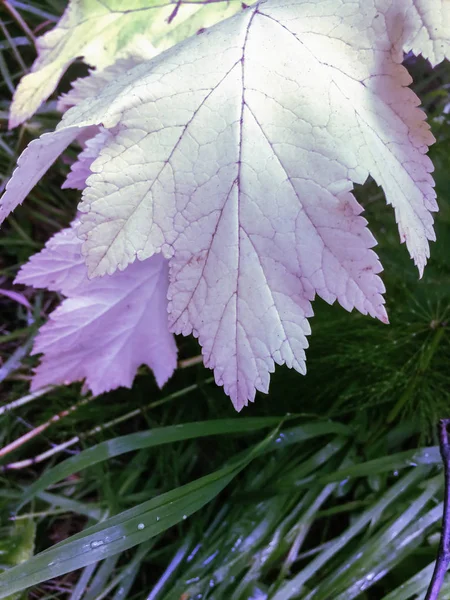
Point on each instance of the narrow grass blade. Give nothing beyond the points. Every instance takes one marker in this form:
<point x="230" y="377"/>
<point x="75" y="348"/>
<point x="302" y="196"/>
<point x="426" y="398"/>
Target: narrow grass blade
<point x="83" y="582"/>
<point x="175" y="433"/>
<point x="403" y="546"/>
<point x="414" y="586"/>
<point x="125" y="530"/>
<point x="395" y="462"/>
<point x="292" y="588"/>
<point x="383" y="551"/>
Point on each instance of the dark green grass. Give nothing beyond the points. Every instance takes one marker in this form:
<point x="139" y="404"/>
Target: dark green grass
<point x="351" y="513"/>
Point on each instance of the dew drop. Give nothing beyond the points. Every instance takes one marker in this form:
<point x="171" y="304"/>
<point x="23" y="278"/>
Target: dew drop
<point x="141" y="526"/>
<point x="96" y="543"/>
<point x="157" y="518"/>
<point x="184" y="517"/>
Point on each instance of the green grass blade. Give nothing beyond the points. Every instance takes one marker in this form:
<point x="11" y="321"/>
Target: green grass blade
<point x="146" y="521"/>
<point x="292" y="588"/>
<point x="395" y="462"/>
<point x="125" y="530"/>
<point x="180" y="555"/>
<point x="83" y="582"/>
<point x="125" y="580"/>
<point x="89" y="509"/>
<point x="394" y="553"/>
<point x="414" y="586"/>
<point x="175" y="433"/>
<point x="383" y="551"/>
<point x="99" y="582"/>
<point x="144" y="439"/>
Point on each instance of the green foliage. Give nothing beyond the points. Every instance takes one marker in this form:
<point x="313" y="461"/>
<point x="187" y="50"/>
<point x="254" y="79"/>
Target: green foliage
<point x="16" y="547"/>
<point x="341" y="501"/>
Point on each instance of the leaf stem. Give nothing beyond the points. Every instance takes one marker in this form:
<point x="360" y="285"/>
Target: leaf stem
<point x="25" y="399"/>
<point x="22" y="464"/>
<point x="42" y="427"/>
<point x="443" y="557"/>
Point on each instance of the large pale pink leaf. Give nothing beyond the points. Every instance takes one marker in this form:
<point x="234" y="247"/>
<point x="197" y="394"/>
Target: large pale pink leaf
<point x="107" y="327"/>
<point x="234" y="154"/>
<point x="92" y="138"/>
<point x="422" y="26"/>
<point x="92" y="85"/>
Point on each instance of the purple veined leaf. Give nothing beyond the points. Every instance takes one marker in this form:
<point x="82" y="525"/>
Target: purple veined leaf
<point x="59" y="267"/>
<point x="106" y="327"/>
<point x="234" y="154"/>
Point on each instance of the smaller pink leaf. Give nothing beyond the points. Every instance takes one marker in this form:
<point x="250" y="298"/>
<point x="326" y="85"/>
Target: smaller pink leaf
<point x="59" y="267"/>
<point x="81" y="168"/>
<point x="107" y="327"/>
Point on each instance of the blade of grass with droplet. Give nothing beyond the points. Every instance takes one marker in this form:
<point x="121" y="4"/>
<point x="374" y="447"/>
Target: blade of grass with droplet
<point x="314" y="500"/>
<point x="293" y="587"/>
<point x="289" y="536"/>
<point x="174" y="433"/>
<point x="143" y="439"/>
<point x="262" y="538"/>
<point x="395" y="462"/>
<point x="127" y="529"/>
<point x="403" y="547"/>
<point x="306" y="472"/>
<point x="384" y="550"/>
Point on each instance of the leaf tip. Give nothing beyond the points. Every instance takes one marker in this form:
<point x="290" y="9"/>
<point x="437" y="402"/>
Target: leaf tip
<point x="14" y="121"/>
